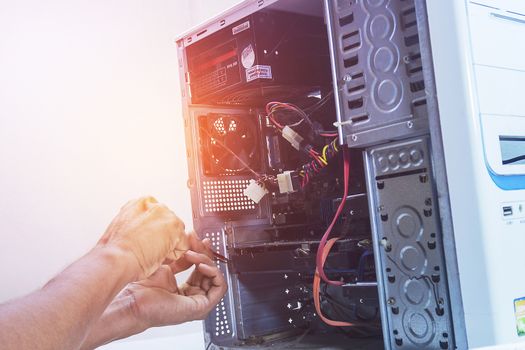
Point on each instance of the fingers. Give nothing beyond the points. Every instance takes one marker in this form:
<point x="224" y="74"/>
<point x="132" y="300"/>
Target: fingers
<point x="217" y="287"/>
<point x="199" y="253"/>
<point x="214" y="284"/>
<point x="197" y="245"/>
<point x="162" y="278"/>
<point x="197" y="258"/>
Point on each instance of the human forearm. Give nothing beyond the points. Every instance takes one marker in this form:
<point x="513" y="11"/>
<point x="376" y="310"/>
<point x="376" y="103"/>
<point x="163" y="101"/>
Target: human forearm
<point x="60" y="314"/>
<point x="117" y="322"/>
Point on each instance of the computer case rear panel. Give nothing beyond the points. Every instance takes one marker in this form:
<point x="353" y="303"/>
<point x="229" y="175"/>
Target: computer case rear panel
<point x="288" y="105"/>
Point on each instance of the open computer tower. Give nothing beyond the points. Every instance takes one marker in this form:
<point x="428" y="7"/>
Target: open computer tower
<point x="312" y="125"/>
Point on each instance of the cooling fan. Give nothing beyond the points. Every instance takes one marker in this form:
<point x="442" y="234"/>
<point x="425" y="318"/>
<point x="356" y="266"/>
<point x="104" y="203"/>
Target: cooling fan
<point x="229" y="144"/>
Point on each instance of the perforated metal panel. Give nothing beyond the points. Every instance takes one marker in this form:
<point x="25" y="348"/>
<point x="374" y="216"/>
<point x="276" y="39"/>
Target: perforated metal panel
<point x="378" y="73"/>
<point x="219" y="322"/>
<point x="222" y="196"/>
<point x="408" y="247"/>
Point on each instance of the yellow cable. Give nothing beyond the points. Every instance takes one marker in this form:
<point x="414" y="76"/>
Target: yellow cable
<point x="325" y="148"/>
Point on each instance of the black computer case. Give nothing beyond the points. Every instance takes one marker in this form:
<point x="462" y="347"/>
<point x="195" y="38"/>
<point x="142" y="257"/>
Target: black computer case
<point x="280" y="98"/>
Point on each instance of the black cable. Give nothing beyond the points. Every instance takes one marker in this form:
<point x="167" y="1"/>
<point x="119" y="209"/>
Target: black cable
<point x="514" y="160"/>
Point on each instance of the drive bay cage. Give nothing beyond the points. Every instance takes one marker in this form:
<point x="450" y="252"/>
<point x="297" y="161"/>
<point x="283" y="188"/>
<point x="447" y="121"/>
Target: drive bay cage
<point x="312" y="128"/>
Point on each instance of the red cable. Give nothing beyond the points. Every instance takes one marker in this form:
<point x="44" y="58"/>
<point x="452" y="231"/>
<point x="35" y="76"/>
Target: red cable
<point x="322" y="243"/>
<point x="317" y="289"/>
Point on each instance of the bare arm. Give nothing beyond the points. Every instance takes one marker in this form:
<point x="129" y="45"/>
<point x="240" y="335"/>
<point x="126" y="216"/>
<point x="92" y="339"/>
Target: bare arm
<point x="60" y="314"/>
<point x="63" y="312"/>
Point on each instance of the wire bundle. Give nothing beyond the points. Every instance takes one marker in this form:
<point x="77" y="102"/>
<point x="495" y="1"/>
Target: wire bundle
<point x="274" y="108"/>
<point x="325" y="246"/>
<point x="319" y="161"/>
<point x="307" y="171"/>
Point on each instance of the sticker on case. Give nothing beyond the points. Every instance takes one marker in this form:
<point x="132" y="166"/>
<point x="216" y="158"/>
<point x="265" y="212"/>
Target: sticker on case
<point x="258" y="72"/>
<point x="241" y="28"/>
<point x="248" y="57"/>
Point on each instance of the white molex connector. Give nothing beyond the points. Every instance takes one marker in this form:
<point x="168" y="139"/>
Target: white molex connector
<point x="285" y="182"/>
<point x="255" y="191"/>
<point x="294" y="138"/>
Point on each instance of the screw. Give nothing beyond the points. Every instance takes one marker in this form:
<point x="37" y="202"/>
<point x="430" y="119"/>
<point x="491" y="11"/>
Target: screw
<point x="354" y="138"/>
<point x="410" y="125"/>
<point x="380" y="208"/>
<point x="347" y="78"/>
<point x="391" y="301"/>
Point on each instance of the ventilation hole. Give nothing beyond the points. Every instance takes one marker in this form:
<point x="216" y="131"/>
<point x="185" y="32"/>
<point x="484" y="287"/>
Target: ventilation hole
<point x="350" y="62"/>
<point x="416" y="69"/>
<point x="351" y="34"/>
<point x="412" y="40"/>
<point x="410" y="24"/>
<point x="356" y="84"/>
<point x="391" y="278"/>
<point x="419" y="103"/>
<point x="436" y="278"/>
<point x="202" y="33"/>
<point x="409" y="11"/>
<point x="351" y="41"/>
<point x="415" y="56"/>
<point x="345" y="20"/>
<point x="222" y="22"/>
<point x="417" y="86"/>
<point x="360" y="119"/>
<point x="356" y="104"/>
<point x="356" y="88"/>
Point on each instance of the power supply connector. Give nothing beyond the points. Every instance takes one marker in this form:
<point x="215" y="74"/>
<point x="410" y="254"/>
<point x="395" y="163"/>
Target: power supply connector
<point x="292" y="137"/>
<point x="288" y="182"/>
<point x="255" y="191"/>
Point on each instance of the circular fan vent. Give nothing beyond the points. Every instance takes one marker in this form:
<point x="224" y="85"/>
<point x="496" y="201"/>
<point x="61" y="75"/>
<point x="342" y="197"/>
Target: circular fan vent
<point x="231" y="144"/>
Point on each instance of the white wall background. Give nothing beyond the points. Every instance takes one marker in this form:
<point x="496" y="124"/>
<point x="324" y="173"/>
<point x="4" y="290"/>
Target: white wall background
<point x="90" y="117"/>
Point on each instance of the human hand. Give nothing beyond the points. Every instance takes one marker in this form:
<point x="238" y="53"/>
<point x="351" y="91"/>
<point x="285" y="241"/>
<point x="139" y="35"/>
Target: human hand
<point x="159" y="301"/>
<point x="149" y="231"/>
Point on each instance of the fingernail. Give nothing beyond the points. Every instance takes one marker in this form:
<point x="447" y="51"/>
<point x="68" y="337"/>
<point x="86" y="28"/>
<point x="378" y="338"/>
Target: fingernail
<point x="190" y="252"/>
